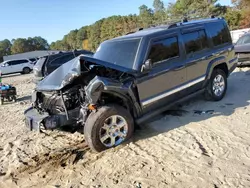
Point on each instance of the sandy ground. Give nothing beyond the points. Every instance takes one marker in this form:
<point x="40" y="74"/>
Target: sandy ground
<point x="181" y="148"/>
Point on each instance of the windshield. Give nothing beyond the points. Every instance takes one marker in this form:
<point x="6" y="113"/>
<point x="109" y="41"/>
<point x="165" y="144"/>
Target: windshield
<point x="122" y="53"/>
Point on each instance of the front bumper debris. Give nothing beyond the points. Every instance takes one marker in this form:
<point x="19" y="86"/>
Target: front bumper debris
<point x="35" y="120"/>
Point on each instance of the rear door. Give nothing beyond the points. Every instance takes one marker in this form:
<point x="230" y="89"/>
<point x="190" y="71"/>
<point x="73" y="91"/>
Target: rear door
<point x="5" y="68"/>
<point x="162" y="84"/>
<point x="197" y="55"/>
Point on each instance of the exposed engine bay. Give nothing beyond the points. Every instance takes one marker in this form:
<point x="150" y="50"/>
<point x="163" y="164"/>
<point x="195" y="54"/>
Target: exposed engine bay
<point x="73" y="99"/>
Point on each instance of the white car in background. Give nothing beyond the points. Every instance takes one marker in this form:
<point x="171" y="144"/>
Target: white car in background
<point x="23" y="66"/>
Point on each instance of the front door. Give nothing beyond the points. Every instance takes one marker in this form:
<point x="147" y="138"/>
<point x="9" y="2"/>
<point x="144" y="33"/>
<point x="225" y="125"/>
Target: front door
<point x="15" y="66"/>
<point x="162" y="84"/>
<point x="5" y="68"/>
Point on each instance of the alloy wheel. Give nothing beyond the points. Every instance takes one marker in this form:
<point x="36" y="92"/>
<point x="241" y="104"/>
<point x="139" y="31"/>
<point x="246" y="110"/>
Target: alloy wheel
<point x="114" y="131"/>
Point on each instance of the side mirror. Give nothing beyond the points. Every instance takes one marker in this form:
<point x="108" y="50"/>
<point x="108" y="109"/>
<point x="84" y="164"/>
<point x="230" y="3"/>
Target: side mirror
<point x="147" y="66"/>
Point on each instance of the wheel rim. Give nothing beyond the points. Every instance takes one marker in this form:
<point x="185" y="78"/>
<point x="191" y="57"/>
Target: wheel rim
<point x="114" y="131"/>
<point x="26" y="70"/>
<point x="218" y="85"/>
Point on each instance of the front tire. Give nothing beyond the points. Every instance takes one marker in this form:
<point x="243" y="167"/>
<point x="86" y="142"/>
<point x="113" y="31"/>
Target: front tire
<point x="109" y="126"/>
<point x="217" y="86"/>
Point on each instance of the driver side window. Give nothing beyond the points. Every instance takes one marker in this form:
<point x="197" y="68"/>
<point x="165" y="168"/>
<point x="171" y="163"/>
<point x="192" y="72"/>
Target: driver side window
<point x="164" y="49"/>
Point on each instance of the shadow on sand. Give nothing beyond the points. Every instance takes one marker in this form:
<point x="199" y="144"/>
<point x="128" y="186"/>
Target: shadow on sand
<point x="24" y="98"/>
<point x="196" y="110"/>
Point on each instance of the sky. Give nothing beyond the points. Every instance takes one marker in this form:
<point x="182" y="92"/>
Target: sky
<point x="52" y="19"/>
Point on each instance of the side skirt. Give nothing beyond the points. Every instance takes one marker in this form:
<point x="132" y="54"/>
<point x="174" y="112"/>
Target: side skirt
<point x="150" y="115"/>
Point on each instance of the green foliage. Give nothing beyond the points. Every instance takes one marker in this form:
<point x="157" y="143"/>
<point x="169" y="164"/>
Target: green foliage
<point x="160" y="14"/>
<point x="233" y="17"/>
<point x="71" y="39"/>
<point x="89" y="37"/>
<point x="190" y="8"/>
<point x="145" y="16"/>
<point x="81" y="36"/>
<point x="5" y="47"/>
<point x="21" y="45"/>
<point x="244" y="7"/>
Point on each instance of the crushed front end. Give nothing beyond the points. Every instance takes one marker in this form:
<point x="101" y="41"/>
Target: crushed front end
<point x="55" y="109"/>
<point x="64" y="97"/>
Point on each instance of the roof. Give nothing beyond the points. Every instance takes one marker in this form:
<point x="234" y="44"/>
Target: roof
<point x="152" y="30"/>
<point x="31" y="54"/>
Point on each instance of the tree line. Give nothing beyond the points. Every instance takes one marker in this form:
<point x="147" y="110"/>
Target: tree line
<point x="89" y="37"/>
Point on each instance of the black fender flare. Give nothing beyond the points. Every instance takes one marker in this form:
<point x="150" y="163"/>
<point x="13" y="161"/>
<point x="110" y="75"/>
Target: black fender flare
<point x="214" y="63"/>
<point x="100" y="85"/>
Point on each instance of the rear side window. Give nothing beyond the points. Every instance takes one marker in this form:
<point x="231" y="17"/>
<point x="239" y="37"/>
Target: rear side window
<point x="164" y="49"/>
<point x="195" y="41"/>
<point x="219" y="33"/>
<point x="61" y="60"/>
<point x="17" y="62"/>
<point x="32" y="59"/>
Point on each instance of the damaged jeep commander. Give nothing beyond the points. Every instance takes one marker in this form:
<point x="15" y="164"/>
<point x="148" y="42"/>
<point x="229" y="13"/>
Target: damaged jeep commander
<point x="132" y="78"/>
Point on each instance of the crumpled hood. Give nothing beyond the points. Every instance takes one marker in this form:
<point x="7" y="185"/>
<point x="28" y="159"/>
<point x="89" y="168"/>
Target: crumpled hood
<point x="67" y="72"/>
<point x="60" y="77"/>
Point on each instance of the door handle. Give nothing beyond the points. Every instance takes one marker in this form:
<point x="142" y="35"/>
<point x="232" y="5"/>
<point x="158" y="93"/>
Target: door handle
<point x="179" y="67"/>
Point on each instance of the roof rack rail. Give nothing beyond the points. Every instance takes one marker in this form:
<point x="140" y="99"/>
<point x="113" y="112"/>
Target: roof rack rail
<point x="130" y="32"/>
<point x="174" y="22"/>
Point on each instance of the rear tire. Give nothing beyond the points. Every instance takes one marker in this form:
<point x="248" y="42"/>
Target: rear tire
<point x="217" y="86"/>
<point x="26" y="70"/>
<point x="110" y="126"/>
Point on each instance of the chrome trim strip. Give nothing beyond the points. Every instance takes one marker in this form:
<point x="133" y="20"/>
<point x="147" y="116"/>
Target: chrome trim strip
<point x="146" y="102"/>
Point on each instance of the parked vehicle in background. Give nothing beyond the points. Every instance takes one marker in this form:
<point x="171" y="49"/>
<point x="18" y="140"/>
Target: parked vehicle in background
<point x="131" y="78"/>
<point x="47" y="64"/>
<point x="242" y="49"/>
<point x="24" y="66"/>
<point x="33" y="60"/>
<point x="236" y="34"/>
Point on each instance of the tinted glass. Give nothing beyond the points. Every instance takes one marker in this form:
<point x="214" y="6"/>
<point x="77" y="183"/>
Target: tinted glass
<point x="17" y="62"/>
<point x="32" y="59"/>
<point x="61" y="60"/>
<point x="164" y="49"/>
<point x="203" y="39"/>
<point x="195" y="41"/>
<point x="83" y="52"/>
<point x="122" y="53"/>
<point x="219" y="33"/>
